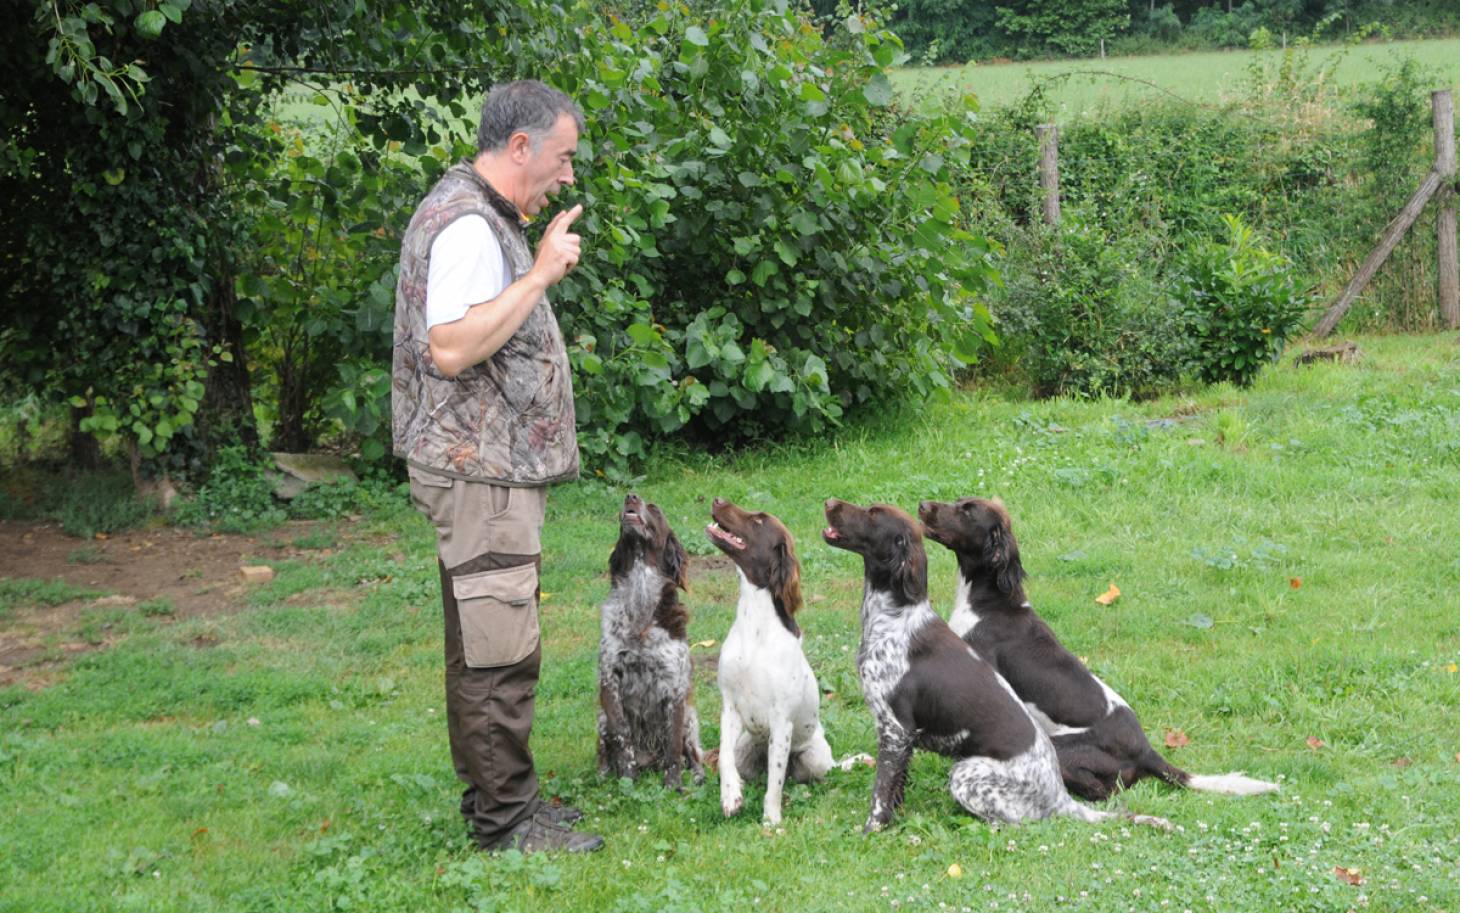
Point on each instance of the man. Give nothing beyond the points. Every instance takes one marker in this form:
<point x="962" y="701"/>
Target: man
<point x="483" y="416"/>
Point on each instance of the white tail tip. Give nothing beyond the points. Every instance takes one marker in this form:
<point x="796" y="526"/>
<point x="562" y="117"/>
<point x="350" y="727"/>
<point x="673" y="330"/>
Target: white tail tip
<point x="1232" y="784"/>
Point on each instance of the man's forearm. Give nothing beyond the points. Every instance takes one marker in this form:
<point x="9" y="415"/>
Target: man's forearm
<point x="485" y="328"/>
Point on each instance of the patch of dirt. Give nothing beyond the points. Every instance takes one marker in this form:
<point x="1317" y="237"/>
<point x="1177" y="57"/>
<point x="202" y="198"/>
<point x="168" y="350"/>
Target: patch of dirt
<point x="717" y="563"/>
<point x="197" y="575"/>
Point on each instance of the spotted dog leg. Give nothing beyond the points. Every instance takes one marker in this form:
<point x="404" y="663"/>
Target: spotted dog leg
<point x="693" y="752"/>
<point x="616" y="756"/>
<point x="894" y="752"/>
<point x="777" y="756"/>
<point x="732" y="731"/>
<point x="674" y="748"/>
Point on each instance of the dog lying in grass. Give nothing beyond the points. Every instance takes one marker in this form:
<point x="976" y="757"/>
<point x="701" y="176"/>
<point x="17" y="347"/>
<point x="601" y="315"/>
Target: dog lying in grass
<point x="927" y="689"/>
<point x="770" y="705"/>
<point x="646" y="717"/>
<point x="1101" y="745"/>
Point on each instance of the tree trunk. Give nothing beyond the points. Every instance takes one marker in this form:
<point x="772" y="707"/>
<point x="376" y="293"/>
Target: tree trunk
<point x="83" y="448"/>
<point x="226" y="414"/>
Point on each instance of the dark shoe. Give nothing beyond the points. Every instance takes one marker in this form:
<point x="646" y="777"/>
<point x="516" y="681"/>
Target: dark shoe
<point x="560" y="814"/>
<point x="538" y="834"/>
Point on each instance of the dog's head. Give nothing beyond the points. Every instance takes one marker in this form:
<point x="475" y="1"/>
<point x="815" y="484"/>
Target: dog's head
<point x="762" y="547"/>
<point x="980" y="533"/>
<point x="644" y="535"/>
<point x="890" y="543"/>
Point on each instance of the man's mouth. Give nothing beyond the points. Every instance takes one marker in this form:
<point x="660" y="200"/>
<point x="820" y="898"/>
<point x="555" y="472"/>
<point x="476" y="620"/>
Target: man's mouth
<point x="720" y="535"/>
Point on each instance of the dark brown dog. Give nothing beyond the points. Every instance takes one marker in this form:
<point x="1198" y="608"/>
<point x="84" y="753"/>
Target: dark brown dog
<point x="1101" y="745"/>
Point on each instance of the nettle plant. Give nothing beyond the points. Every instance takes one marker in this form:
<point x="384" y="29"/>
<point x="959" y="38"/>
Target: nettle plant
<point x="1241" y="302"/>
<point x="769" y="240"/>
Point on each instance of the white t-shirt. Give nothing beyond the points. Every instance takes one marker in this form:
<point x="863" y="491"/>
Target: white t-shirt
<point x="467" y="267"/>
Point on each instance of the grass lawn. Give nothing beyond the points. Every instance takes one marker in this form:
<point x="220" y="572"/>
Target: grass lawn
<point x="1287" y="562"/>
<point x="1082" y="86"/>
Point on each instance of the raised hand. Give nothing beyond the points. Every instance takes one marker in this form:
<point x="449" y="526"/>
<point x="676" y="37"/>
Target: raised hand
<point x="559" y="249"/>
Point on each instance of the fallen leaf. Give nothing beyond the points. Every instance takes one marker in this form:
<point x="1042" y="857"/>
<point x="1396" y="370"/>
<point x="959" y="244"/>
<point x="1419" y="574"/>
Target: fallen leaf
<point x="1295" y="582"/>
<point x="1109" y="596"/>
<point x="703" y="643"/>
<point x="102" y="536"/>
<point x="542" y="597"/>
<point x="1315" y="743"/>
<point x="1451" y="668"/>
<point x="712" y="758"/>
<point x="1175" y="738"/>
<point x="1352" y="876"/>
<point x="1200" y="620"/>
<point x="1402" y="762"/>
<point x="955" y="871"/>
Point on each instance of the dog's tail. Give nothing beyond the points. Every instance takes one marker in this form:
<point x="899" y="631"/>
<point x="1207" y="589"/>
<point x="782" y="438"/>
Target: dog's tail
<point x="1229" y="784"/>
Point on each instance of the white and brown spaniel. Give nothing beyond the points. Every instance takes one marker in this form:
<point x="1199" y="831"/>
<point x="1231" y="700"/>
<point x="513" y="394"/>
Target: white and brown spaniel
<point x="927" y="689"/>
<point x="1101" y="745"/>
<point x="646" y="717"/>
<point x="770" y="705"/>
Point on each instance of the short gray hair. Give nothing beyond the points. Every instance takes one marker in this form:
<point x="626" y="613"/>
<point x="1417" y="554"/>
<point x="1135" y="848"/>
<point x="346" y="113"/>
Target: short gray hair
<point x="526" y="106"/>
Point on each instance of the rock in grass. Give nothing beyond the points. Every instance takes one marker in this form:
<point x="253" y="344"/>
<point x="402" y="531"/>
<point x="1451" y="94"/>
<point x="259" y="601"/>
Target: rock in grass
<point x="256" y="573"/>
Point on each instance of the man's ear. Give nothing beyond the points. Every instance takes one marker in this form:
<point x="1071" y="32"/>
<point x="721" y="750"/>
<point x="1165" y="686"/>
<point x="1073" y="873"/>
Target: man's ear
<point x="519" y="146"/>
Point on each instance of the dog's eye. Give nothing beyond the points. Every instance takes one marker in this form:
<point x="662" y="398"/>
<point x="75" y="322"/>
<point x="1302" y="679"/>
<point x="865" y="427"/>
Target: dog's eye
<point x="901" y="541"/>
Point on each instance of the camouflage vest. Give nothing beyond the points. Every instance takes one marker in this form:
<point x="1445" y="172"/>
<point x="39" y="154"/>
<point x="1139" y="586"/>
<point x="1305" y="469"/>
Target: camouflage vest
<point x="507" y="420"/>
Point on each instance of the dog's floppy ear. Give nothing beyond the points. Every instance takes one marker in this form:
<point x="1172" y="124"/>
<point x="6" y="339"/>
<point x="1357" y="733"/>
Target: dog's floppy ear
<point x="1001" y="552"/>
<point x="676" y="561"/>
<point x="785" y="582"/>
<point x="911" y="575"/>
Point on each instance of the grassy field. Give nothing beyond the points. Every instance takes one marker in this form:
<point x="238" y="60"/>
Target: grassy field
<point x="1286" y="556"/>
<point x="1078" y="87"/>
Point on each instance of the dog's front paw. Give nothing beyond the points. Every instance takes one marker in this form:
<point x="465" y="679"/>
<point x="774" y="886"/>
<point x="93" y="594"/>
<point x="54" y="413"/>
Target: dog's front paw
<point x="732" y="804"/>
<point x="872" y="826"/>
<point x="771" y="818"/>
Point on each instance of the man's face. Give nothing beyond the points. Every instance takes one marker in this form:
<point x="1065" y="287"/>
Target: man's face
<point x="549" y="165"/>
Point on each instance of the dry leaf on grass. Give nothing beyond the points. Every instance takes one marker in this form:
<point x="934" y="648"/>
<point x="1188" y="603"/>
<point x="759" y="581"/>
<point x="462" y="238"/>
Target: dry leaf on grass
<point x="702" y="643"/>
<point x="1315" y="743"/>
<point x="1402" y="762"/>
<point x="712" y="758"/>
<point x="1109" y="596"/>
<point x="1352" y="876"/>
<point x="1295" y="582"/>
<point x="1175" y="738"/>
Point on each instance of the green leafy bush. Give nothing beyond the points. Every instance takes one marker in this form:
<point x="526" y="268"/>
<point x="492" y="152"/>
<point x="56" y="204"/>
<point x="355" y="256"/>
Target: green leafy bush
<point x="333" y="500"/>
<point x="773" y="241"/>
<point x="1241" y="303"/>
<point x="237" y="498"/>
<point x="1083" y="315"/>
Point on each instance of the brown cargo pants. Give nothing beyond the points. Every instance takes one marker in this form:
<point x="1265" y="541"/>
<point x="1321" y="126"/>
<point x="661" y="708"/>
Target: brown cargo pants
<point x="489" y="546"/>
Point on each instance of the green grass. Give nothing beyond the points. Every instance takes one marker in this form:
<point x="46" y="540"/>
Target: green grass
<point x="1083" y="86"/>
<point x="293" y="757"/>
<point x="19" y="592"/>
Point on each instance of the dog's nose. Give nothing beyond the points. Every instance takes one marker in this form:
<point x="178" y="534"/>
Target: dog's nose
<point x="718" y="503"/>
<point x="832" y="502"/>
<point x="924" y="506"/>
<point x="632" y="499"/>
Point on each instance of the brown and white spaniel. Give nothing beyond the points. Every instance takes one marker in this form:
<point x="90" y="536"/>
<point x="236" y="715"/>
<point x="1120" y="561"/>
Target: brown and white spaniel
<point x="646" y="717"/>
<point x="770" y="705"/>
<point x="1100" y="743"/>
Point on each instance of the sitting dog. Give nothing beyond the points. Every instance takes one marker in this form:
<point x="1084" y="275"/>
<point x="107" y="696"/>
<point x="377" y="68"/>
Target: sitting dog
<point x="769" y="718"/>
<point x="1100" y="742"/>
<point x="928" y="689"/>
<point x="646" y="717"/>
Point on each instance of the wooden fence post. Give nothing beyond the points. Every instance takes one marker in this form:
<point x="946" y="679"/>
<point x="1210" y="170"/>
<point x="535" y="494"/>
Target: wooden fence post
<point x="1449" y="260"/>
<point x="1049" y="171"/>
<point x="1434" y="182"/>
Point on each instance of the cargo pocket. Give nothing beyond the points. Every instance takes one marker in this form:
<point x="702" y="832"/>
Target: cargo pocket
<point x="498" y="611"/>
